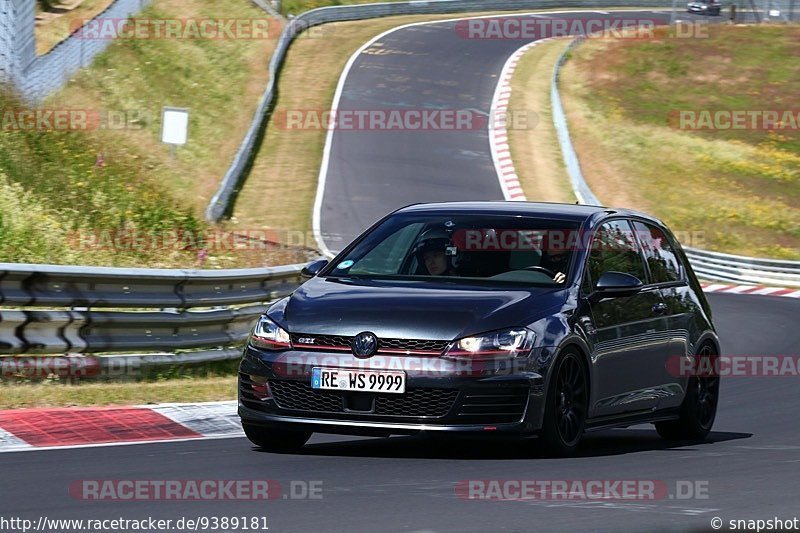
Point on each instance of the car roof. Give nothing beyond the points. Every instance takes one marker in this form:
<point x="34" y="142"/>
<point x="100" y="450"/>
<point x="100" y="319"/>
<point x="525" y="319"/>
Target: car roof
<point x="576" y="212"/>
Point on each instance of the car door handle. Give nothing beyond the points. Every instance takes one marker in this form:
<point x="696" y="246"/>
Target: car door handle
<point x="660" y="308"/>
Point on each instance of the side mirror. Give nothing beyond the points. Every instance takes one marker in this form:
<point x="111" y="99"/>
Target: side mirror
<point x="313" y="268"/>
<point x="612" y="284"/>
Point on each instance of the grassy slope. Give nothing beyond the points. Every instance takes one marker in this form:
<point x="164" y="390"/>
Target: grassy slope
<point x="739" y="189"/>
<point x="141" y="186"/>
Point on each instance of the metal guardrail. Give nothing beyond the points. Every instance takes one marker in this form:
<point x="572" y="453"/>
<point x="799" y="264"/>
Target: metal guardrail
<point x="741" y="269"/>
<point x="706" y="264"/>
<point x="220" y="203"/>
<point x="579" y="186"/>
<point x="79" y="310"/>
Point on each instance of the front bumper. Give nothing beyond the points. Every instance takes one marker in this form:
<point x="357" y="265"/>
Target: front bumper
<point x="494" y="398"/>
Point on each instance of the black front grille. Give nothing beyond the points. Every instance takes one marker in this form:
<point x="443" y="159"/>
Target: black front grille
<point x="339" y="341"/>
<point x="247" y="394"/>
<point x="413" y="345"/>
<point x="299" y="396"/>
<point x="435" y="403"/>
<point x="495" y="405"/>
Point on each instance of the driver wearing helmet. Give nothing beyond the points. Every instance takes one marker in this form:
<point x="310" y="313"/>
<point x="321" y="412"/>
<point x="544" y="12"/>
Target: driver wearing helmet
<point x="431" y="251"/>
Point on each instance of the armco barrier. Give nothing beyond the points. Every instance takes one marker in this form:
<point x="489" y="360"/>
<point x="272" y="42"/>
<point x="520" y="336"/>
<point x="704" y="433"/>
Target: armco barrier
<point x="82" y="310"/>
<point x="706" y="264"/>
<point x="745" y="270"/>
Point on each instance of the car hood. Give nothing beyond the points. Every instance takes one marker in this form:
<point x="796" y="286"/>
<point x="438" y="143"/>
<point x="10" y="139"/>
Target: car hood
<point x="411" y="309"/>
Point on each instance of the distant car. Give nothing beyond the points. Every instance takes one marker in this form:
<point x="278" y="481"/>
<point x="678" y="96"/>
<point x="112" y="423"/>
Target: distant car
<point x="705" y="7"/>
<point x="487" y="318"/>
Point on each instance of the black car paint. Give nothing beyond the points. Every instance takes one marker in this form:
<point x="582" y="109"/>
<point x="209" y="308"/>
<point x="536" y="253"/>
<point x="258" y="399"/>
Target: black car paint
<point x="626" y="342"/>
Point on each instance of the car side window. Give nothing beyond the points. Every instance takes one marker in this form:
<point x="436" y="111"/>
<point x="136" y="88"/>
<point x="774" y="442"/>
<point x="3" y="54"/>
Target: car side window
<point x="614" y="249"/>
<point x="658" y="252"/>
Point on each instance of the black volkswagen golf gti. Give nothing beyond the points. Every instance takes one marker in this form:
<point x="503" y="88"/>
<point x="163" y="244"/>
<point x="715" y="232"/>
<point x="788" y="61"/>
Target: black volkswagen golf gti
<point x="487" y="318"/>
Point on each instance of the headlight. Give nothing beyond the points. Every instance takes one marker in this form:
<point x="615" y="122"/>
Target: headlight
<point x="514" y="342"/>
<point x="268" y="335"/>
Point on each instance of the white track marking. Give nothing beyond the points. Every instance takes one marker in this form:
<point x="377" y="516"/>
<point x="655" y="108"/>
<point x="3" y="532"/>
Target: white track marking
<point x="215" y="419"/>
<point x="9" y="442"/>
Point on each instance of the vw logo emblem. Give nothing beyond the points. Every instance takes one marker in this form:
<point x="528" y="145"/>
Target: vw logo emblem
<point x="365" y="344"/>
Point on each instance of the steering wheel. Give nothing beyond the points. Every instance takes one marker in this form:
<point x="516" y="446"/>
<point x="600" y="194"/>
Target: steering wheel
<point x="541" y="269"/>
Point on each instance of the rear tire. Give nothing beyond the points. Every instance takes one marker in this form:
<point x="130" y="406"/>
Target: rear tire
<point x="566" y="406"/>
<point x="276" y="440"/>
<point x="699" y="407"/>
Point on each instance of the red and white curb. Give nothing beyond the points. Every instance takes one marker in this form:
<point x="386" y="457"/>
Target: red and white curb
<point x="758" y="290"/>
<point x="77" y="427"/>
<point x="498" y="133"/>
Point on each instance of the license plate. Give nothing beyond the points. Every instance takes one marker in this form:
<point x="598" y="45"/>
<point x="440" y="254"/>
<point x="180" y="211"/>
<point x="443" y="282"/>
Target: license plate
<point x="358" y="380"/>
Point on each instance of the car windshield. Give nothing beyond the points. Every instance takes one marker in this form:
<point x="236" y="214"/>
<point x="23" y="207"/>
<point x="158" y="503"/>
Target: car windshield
<point x="477" y="248"/>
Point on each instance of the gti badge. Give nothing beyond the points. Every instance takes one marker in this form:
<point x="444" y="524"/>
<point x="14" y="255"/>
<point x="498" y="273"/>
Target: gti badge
<point x="365" y="345"/>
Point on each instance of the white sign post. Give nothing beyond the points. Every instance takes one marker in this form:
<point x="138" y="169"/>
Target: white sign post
<point x="174" y="126"/>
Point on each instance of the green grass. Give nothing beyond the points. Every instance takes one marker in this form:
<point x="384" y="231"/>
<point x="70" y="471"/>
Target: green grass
<point x="738" y="190"/>
<point x="296" y="7"/>
<point x="52" y="394"/>
<point x="219" y="80"/>
<point x="174" y="383"/>
<point x="52" y="189"/>
<point x="751" y="67"/>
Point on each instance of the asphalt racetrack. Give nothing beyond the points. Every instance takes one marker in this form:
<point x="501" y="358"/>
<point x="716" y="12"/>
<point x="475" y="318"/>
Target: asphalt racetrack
<point x="369" y="172"/>
<point x="748" y="468"/>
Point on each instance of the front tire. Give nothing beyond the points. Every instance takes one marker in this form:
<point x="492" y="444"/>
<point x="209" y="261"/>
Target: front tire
<point x="276" y="440"/>
<point x="699" y="407"/>
<point x="566" y="406"/>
